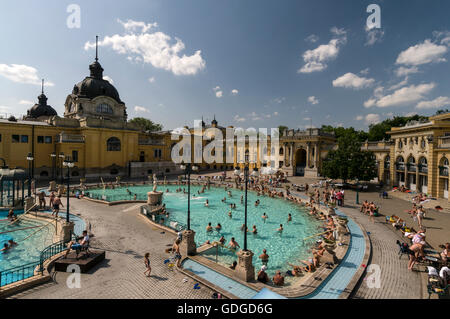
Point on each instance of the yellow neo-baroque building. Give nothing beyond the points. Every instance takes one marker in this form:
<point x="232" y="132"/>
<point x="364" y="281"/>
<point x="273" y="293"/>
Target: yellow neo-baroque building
<point x="94" y="132"/>
<point x="417" y="156"/>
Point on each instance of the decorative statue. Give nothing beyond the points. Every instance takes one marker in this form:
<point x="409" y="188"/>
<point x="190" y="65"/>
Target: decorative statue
<point x="155" y="184"/>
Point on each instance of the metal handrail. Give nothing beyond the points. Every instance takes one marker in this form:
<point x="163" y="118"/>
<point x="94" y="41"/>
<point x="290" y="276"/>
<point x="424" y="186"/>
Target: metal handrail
<point x="27" y="270"/>
<point x="18" y="273"/>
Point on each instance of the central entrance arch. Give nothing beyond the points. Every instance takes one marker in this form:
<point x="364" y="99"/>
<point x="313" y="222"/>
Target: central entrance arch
<point x="300" y="162"/>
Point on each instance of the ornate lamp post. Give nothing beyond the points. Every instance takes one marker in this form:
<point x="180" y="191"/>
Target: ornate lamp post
<point x="30" y="159"/>
<point x="69" y="164"/>
<point x="245" y="270"/>
<point x="188" y="169"/>
<point x="53" y="156"/>
<point x="357" y="192"/>
<point x="188" y="246"/>
<point x="61" y="157"/>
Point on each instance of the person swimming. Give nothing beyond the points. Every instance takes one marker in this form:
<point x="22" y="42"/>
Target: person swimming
<point x="280" y="230"/>
<point x="264" y="217"/>
<point x="233" y="244"/>
<point x="218" y="227"/>
<point x="209" y="227"/>
<point x="289" y="218"/>
<point x="206" y="203"/>
<point x="254" y="231"/>
<point x="230" y="214"/>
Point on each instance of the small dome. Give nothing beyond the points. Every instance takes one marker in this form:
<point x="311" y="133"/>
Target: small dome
<point x="41" y="109"/>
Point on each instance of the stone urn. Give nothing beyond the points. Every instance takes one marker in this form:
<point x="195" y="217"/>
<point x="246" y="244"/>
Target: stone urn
<point x="245" y="269"/>
<point x="52" y="186"/>
<point x="82" y="181"/>
<point x="154" y="198"/>
<point x="117" y="179"/>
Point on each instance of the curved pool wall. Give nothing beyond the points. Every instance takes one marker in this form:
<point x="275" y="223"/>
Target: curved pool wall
<point x="284" y="247"/>
<point x="29" y="249"/>
<point x="331" y="288"/>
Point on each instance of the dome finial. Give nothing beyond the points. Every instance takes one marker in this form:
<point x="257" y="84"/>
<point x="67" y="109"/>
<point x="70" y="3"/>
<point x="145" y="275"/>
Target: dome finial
<point x="96" y="48"/>
<point x="42" y="86"/>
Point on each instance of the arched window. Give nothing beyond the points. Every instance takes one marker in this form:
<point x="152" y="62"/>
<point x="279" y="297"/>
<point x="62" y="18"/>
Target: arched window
<point x="104" y="108"/>
<point x="445" y="161"/>
<point x="114" y="171"/>
<point x="411" y="160"/>
<point x="113" y="144"/>
<point x="44" y="174"/>
<point x="387" y="162"/>
<point x="75" y="173"/>
<point x="400" y="160"/>
<point x="281" y="151"/>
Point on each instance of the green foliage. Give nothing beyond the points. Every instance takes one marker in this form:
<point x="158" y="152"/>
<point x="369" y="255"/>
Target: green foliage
<point x="349" y="162"/>
<point x="281" y="129"/>
<point x="377" y="132"/>
<point x="361" y="136"/>
<point x="146" y="124"/>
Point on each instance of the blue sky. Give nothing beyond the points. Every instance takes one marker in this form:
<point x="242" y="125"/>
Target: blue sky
<point x="288" y="62"/>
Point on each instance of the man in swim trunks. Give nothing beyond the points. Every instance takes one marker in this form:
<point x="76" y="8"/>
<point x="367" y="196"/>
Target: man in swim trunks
<point x="264" y="257"/>
<point x="233" y="244"/>
<point x="56" y="204"/>
<point x="75" y="245"/>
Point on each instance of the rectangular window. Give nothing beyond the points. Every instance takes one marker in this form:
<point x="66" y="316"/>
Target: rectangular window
<point x="40" y="139"/>
<point x="75" y="156"/>
<point x="23" y="138"/>
<point x="15" y="138"/>
<point x="48" y="140"/>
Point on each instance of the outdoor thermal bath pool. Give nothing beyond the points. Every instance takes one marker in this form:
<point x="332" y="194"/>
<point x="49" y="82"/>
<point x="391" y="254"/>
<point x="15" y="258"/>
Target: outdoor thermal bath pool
<point x="282" y="248"/>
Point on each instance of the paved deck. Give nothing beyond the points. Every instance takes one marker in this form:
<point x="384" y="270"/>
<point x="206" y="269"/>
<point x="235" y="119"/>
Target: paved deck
<point x="126" y="237"/>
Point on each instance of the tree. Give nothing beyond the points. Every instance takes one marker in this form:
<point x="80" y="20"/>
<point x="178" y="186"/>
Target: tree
<point x="146" y="124"/>
<point x="377" y="132"/>
<point x="348" y="161"/>
<point x="341" y="131"/>
<point x="281" y="129"/>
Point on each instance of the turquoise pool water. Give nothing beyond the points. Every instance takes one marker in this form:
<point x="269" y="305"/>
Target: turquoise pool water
<point x="282" y="248"/>
<point x="32" y="237"/>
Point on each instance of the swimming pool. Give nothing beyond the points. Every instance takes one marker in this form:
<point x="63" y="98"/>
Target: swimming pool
<point x="32" y="237"/>
<point x="288" y="246"/>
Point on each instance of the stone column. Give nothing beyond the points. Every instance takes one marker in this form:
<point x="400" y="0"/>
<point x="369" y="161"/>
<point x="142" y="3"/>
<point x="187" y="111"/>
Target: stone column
<point x="285" y="157"/>
<point x="52" y="186"/>
<point x="245" y="269"/>
<point x="188" y="246"/>
<point x="307" y="154"/>
<point x="315" y="156"/>
<point x="291" y="160"/>
<point x="29" y="202"/>
<point x="66" y="231"/>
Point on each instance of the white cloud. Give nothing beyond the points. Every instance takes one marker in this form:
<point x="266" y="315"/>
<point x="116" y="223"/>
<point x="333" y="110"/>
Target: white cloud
<point x="443" y="35"/>
<point x="423" y="53"/>
<point x="313" y="100"/>
<point x="140" y="109"/>
<point x="312" y="38"/>
<point x="373" y="36"/>
<point x="403" y="96"/>
<point x="152" y="79"/>
<point x="107" y="78"/>
<point x="316" y="60"/>
<point x="370" y="102"/>
<point x="234" y="92"/>
<point x="132" y="25"/>
<point x="279" y="100"/>
<point x="21" y="73"/>
<point x="436" y="103"/>
<point x="306" y="119"/>
<point x="219" y="94"/>
<point x="350" y="80"/>
<point x="372" y="119"/>
<point x="275" y="113"/>
<point x="365" y="71"/>
<point x="26" y="102"/>
<point x="403" y="71"/>
<point x="237" y="118"/>
<point x="399" y="84"/>
<point x="157" y="49"/>
<point x="359" y="118"/>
